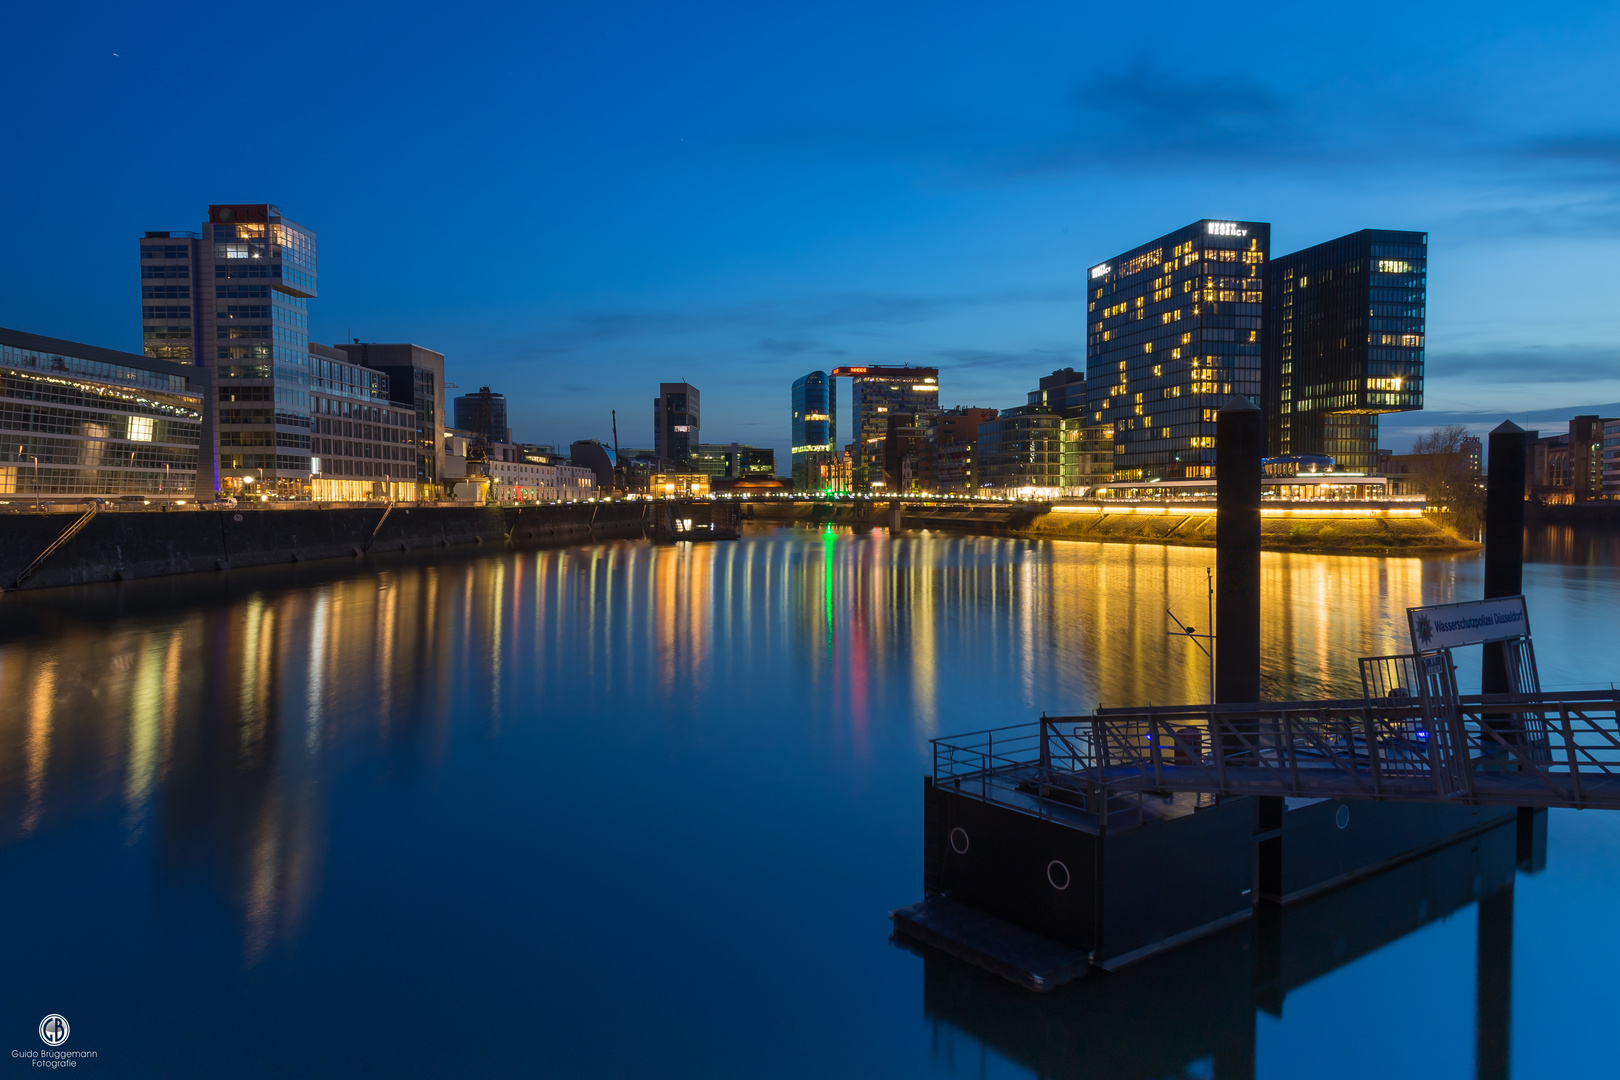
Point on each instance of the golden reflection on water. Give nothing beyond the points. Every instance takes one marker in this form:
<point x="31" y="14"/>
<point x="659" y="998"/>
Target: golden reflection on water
<point x="212" y="725"/>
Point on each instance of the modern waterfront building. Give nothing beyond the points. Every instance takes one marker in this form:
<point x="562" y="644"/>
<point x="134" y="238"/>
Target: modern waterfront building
<point x="677" y="420"/>
<point x="1611" y="459"/>
<point x="1021" y="452"/>
<point x="953" y="437"/>
<point x="484" y="411"/>
<point x="815" y="431"/>
<point x="1344" y="330"/>
<point x="361" y="440"/>
<point x="79" y="420"/>
<point x="877" y="392"/>
<point x="1173" y="330"/>
<point x="732" y="460"/>
<point x="416" y="387"/>
<point x="234" y="297"/>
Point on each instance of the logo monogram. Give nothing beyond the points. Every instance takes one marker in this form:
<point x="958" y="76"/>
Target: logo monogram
<point x="53" y="1030"/>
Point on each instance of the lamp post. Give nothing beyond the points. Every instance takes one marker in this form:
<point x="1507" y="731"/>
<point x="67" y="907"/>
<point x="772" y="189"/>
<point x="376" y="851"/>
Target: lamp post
<point x="37" y="506"/>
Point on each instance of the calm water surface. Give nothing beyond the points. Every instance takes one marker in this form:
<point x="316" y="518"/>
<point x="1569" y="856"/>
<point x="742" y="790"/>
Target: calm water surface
<point x="635" y="811"/>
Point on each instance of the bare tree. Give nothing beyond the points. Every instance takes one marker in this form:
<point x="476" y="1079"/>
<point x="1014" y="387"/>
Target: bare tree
<point x="1442" y="440"/>
<point x="1443" y="473"/>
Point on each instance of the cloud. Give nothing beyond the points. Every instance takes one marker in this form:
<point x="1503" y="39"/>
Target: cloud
<point x="779" y="327"/>
<point x="1028" y="360"/>
<point x="1532" y="365"/>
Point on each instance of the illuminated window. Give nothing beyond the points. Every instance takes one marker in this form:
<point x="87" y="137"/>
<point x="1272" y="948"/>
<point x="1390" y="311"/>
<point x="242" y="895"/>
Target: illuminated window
<point x="140" y="429"/>
<point x="1158" y="369"/>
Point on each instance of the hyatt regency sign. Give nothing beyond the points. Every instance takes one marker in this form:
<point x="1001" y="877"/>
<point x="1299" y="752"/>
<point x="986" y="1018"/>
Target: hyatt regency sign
<point x="1447" y="626"/>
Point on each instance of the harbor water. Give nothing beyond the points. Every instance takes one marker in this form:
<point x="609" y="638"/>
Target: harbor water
<point x="627" y="811"/>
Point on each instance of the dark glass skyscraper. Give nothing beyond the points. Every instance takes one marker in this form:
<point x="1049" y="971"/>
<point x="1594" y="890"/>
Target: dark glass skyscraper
<point x="815" y="428"/>
<point x="1173" y="330"/>
<point x="677" y="420"/>
<point x="1344" y="342"/>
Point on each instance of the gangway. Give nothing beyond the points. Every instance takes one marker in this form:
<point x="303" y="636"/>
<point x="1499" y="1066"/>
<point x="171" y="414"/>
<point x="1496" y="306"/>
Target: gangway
<point x="1411" y="737"/>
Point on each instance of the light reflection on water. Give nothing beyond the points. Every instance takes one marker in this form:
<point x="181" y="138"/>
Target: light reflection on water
<point x="671" y="787"/>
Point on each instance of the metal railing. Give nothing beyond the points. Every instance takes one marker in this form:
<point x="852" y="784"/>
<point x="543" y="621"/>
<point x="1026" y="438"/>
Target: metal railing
<point x="1543" y="749"/>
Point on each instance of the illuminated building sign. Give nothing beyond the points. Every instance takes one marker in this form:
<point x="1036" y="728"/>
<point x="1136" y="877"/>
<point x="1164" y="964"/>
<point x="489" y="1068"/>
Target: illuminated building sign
<point x="925" y="387"/>
<point x="1225" y="228"/>
<point x="814" y="448"/>
<point x="1098" y="271"/>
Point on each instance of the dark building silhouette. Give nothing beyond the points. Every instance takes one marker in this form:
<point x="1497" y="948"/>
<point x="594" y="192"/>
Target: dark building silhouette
<point x="483" y="413"/>
<point x="591" y="454"/>
<point x="1344" y="330"/>
<point x="676" y="424"/>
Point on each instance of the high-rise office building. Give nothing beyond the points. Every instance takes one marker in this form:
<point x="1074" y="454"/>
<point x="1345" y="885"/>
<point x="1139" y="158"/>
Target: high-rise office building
<point x="1344" y="329"/>
<point x="416" y="386"/>
<point x="483" y="412"/>
<point x="1174" y="330"/>
<point x="877" y="392"/>
<point x="235" y="297"/>
<point x="815" y="430"/>
<point x="677" y="419"/>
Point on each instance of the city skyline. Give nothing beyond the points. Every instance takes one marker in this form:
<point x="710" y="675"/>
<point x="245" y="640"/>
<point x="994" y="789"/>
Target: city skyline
<point x="939" y="209"/>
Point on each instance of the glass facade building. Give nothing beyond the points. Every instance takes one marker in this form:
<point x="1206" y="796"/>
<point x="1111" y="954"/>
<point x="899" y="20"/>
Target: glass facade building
<point x="79" y="420"/>
<point x="1344" y="341"/>
<point x="1021" y="449"/>
<point x="360" y="438"/>
<point x="235" y="298"/>
<point x="416" y="387"/>
<point x="815" y="431"/>
<point x="876" y="392"/>
<point x="677" y="422"/>
<point x="734" y="461"/>
<point x="1173" y="329"/>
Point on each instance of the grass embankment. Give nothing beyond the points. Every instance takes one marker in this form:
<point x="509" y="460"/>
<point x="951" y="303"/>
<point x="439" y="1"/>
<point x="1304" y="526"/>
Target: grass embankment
<point x="1375" y="535"/>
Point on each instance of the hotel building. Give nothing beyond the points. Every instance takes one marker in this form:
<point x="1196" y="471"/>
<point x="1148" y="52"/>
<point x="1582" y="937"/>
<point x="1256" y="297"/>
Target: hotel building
<point x="1173" y="330"/>
<point x="1344" y="339"/>
<point x="876" y="393"/>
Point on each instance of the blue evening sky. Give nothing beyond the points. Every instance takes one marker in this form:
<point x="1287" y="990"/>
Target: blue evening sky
<point x="576" y="201"/>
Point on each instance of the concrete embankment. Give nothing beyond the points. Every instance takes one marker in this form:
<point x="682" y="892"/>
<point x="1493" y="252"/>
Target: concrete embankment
<point x="1584" y="513"/>
<point x="1349" y="534"/>
<point x="117" y="545"/>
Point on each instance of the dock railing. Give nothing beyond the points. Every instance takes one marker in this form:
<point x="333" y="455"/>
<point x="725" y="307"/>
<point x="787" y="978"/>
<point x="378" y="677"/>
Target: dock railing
<point x="1543" y="749"/>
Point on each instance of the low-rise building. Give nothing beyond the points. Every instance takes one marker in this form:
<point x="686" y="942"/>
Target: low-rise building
<point x="513" y="472"/>
<point x="79" y="420"/>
